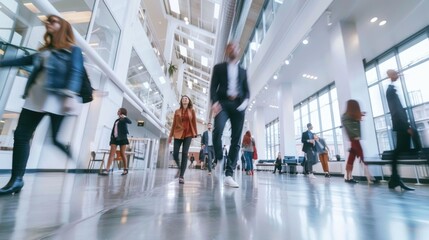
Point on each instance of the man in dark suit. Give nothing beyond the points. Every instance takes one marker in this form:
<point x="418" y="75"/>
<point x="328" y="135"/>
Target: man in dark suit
<point x="207" y="144"/>
<point x="308" y="147"/>
<point x="229" y="94"/>
<point x="400" y="125"/>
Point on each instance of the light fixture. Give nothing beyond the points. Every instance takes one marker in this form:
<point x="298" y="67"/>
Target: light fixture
<point x="140" y="67"/>
<point x="191" y="44"/>
<point x="204" y="61"/>
<point x="174" y="6"/>
<point x="305" y="41"/>
<point x="275" y="76"/>
<point x="32" y="8"/>
<point x="190" y="68"/>
<point x="329" y="18"/>
<point x="195" y="80"/>
<point x="216" y="11"/>
<point x="162" y="79"/>
<point x="382" y="23"/>
<point x="146" y="85"/>
<point x="183" y="51"/>
<point x="186" y="20"/>
<point x="190" y="85"/>
<point x="266" y="87"/>
<point x="309" y="76"/>
<point x="374" y="19"/>
<point x="204" y="90"/>
<point x="288" y="59"/>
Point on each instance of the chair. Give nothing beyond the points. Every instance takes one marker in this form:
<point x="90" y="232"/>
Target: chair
<point x="118" y="159"/>
<point x="92" y="162"/>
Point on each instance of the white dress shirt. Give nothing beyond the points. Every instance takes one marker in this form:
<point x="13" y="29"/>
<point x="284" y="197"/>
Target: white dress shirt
<point x="232" y="70"/>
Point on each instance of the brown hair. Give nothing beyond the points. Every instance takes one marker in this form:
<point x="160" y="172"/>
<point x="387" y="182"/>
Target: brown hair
<point x="123" y="111"/>
<point x="190" y="105"/>
<point x="353" y="110"/>
<point x="64" y="38"/>
<point x="247" y="138"/>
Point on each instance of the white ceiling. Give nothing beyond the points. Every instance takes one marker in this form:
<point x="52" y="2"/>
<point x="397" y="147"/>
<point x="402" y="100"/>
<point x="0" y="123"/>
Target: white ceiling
<point x="403" y="19"/>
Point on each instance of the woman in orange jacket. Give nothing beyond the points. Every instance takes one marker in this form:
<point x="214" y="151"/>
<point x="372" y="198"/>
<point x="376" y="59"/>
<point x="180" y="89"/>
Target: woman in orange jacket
<point x="184" y="128"/>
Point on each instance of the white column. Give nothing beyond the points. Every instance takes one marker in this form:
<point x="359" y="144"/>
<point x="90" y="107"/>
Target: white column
<point x="286" y="120"/>
<point x="258" y="130"/>
<point x="349" y="75"/>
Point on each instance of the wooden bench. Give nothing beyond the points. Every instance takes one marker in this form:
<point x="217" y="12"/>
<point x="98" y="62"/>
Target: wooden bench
<point x="415" y="163"/>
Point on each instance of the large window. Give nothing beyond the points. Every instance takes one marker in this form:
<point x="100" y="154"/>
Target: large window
<point x="272" y="139"/>
<point x="411" y="59"/>
<point x="322" y="111"/>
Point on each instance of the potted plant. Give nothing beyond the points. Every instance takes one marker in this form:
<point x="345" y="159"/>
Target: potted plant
<point x="171" y="69"/>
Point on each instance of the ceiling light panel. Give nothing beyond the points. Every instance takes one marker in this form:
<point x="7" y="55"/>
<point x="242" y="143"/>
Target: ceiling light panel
<point x="216" y="11"/>
<point x="191" y="44"/>
<point x="183" y="51"/>
<point x="204" y="61"/>
<point x="174" y="6"/>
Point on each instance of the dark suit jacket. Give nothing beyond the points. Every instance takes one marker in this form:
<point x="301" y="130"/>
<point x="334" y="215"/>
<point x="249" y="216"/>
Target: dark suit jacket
<point x="219" y="84"/>
<point x="306" y="146"/>
<point x="399" y="116"/>
<point x="122" y="128"/>
<point x="205" y="138"/>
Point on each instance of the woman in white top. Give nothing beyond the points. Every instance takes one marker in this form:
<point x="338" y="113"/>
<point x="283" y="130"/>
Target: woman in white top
<point x="51" y="89"/>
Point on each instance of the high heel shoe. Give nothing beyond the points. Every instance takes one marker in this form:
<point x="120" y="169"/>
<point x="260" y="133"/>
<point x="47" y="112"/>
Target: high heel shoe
<point x="125" y="172"/>
<point x="395" y="183"/>
<point x="14" y="186"/>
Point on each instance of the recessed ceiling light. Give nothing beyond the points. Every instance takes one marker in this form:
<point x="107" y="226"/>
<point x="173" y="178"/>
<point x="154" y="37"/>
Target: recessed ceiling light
<point x="305" y="41"/>
<point x="304" y="75"/>
<point x="140" y="67"/>
<point x="287" y="62"/>
<point x="186" y="19"/>
<point x="382" y="22"/>
<point x="275" y="76"/>
<point x="374" y="19"/>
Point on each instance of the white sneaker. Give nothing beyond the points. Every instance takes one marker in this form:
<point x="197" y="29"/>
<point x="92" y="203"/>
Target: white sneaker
<point x="311" y="176"/>
<point x="229" y="181"/>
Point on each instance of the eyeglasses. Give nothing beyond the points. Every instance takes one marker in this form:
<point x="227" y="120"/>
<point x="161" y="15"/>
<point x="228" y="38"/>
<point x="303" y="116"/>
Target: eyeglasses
<point x="52" y="21"/>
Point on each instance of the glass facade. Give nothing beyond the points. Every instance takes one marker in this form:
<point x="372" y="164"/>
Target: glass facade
<point x="272" y="135"/>
<point x="263" y="24"/>
<point x="322" y="111"/>
<point x="410" y="58"/>
<point x="21" y="31"/>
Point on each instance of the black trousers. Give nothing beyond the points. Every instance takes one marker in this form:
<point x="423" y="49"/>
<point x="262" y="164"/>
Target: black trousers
<point x="27" y="124"/>
<point x="403" y="140"/>
<point x="185" y="149"/>
<point x="229" y="111"/>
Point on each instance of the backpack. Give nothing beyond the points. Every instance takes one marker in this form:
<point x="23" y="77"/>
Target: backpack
<point x="86" y="89"/>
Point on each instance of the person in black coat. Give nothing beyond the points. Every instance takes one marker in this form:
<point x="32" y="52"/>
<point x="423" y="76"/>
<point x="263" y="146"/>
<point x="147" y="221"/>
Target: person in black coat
<point x="229" y="94"/>
<point x="118" y="137"/>
<point x="308" y="147"/>
<point x="400" y="125"/>
<point x="278" y="163"/>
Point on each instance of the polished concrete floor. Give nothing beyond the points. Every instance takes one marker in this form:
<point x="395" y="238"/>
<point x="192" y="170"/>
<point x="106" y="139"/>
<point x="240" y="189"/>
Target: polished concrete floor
<point x="150" y="204"/>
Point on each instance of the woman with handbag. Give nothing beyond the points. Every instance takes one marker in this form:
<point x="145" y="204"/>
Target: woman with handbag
<point x="248" y="146"/>
<point x="351" y="122"/>
<point x="51" y="89"/>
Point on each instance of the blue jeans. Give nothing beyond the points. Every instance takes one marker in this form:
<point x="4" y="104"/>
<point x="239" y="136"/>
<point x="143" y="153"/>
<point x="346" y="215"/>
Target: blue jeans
<point x="249" y="164"/>
<point x="210" y="156"/>
<point x="229" y="111"/>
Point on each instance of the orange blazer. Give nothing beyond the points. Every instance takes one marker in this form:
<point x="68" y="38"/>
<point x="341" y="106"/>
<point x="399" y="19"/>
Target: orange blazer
<point x="177" y="128"/>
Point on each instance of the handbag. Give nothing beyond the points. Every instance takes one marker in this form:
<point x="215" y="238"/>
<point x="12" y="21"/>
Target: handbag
<point x="86" y="89"/>
<point x="255" y="153"/>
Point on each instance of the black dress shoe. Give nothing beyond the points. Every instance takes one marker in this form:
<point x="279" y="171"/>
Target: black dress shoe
<point x="398" y="183"/>
<point x="14" y="186"/>
<point x="350" y="181"/>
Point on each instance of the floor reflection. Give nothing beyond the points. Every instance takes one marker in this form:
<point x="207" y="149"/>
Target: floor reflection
<point x="152" y="205"/>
